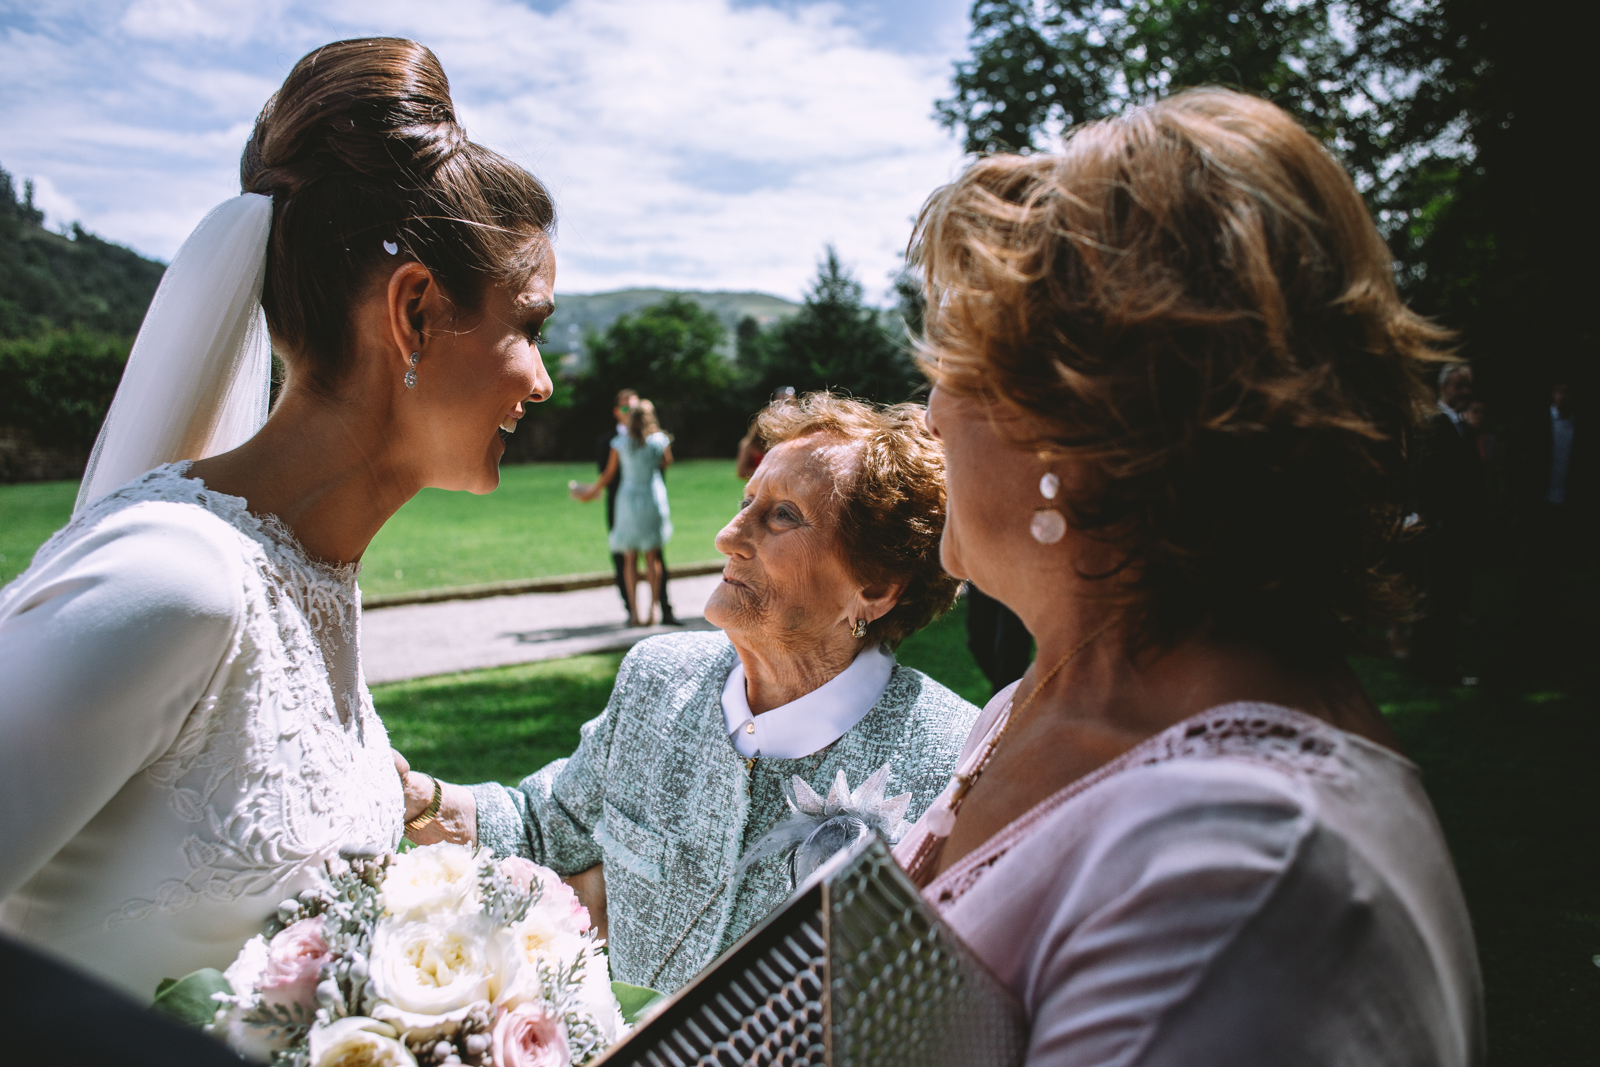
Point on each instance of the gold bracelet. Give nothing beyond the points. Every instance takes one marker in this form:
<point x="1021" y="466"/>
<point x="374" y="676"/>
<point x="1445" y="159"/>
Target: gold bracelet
<point x="431" y="812"/>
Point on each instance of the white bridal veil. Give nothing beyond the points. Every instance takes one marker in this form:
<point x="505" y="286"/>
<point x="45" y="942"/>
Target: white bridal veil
<point x="199" y="375"/>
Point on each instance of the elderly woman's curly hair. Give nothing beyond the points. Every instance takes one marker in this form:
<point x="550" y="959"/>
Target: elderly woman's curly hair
<point x="891" y="508"/>
<point x="1192" y="305"/>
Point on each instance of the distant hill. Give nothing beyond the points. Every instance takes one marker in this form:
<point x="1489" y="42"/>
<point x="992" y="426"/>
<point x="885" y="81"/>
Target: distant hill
<point x="55" y="281"/>
<point x="51" y="281"/>
<point x="578" y="313"/>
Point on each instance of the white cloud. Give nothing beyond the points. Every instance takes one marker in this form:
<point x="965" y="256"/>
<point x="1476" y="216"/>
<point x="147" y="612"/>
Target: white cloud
<point x="168" y="20"/>
<point x="695" y="143"/>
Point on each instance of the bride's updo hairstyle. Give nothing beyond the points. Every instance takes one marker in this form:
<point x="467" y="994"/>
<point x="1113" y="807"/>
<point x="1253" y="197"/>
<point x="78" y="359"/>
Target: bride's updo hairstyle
<point x="359" y="148"/>
<point x="1192" y="305"/>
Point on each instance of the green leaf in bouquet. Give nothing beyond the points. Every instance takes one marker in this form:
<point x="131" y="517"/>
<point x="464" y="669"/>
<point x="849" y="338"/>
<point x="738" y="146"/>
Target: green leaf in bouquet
<point x="188" y="999"/>
<point x="634" y="999"/>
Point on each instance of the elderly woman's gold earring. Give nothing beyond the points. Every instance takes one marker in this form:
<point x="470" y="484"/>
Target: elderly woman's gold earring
<point x="1048" y="525"/>
<point x="860" y="629"/>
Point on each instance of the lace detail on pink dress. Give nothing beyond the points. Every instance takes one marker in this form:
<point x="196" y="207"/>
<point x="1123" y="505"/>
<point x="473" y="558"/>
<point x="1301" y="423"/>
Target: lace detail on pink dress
<point x="1279" y="737"/>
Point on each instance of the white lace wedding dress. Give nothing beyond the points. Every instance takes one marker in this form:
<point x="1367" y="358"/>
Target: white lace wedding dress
<point x="185" y="734"/>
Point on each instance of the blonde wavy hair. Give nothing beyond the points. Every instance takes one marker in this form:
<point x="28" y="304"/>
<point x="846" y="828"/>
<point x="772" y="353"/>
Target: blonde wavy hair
<point x="1190" y="302"/>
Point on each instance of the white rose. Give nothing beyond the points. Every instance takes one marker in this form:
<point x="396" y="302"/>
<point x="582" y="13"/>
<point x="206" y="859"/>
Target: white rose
<point x="244" y="973"/>
<point x="433" y="968"/>
<point x="426" y="1030"/>
<point x="544" y="936"/>
<point x="597" y="998"/>
<point x="358" y="1042"/>
<point x="434" y="880"/>
<point x="244" y="978"/>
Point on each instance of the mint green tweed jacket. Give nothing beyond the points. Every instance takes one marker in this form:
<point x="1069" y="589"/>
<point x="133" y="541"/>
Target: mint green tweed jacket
<point x="657" y="792"/>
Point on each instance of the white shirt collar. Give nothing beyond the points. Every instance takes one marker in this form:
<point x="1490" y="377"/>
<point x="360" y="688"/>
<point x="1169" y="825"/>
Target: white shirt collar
<point x="1455" y="416"/>
<point x="812" y="722"/>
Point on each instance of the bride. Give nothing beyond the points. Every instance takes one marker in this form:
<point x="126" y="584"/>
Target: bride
<point x="185" y="732"/>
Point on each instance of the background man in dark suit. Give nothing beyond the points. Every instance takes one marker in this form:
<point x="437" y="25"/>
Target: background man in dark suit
<point x="1449" y="492"/>
<point x="624" y="407"/>
<point x="1550" y="482"/>
<point x="997" y="639"/>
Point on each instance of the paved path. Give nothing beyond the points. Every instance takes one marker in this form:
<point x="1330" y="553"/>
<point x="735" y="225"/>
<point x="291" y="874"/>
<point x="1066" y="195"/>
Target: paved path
<point x="418" y="640"/>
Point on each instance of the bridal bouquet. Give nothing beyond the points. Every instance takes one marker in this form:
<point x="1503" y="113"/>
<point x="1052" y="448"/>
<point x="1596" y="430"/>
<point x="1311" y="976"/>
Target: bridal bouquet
<point x="439" y="955"/>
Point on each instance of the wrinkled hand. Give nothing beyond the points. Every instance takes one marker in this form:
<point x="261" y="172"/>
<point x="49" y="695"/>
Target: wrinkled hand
<point x="458" y="810"/>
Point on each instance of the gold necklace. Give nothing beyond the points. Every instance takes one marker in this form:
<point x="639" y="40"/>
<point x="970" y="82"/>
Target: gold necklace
<point x="964" y="781"/>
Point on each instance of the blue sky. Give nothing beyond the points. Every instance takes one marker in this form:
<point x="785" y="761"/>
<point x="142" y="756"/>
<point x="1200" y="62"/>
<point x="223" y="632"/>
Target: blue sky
<point x="714" y="144"/>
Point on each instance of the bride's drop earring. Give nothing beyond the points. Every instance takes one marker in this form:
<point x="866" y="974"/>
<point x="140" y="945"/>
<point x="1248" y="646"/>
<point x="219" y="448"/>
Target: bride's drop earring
<point x="411" y="375"/>
<point x="1048" y="525"/>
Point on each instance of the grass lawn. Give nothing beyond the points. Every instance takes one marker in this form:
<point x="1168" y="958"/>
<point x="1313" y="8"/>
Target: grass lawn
<point x="30" y="513"/>
<point x="528" y="528"/>
<point x="1514" y="785"/>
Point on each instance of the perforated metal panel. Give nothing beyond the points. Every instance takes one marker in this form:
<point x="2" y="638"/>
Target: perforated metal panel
<point x="855" y="970"/>
<point x="905" y="990"/>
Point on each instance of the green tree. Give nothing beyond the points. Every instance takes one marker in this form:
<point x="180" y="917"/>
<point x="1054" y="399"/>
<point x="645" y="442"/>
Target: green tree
<point x="836" y="341"/>
<point x="61" y="281"/>
<point x="1037" y="67"/>
<point x="57" y="387"/>
<point x="1447" y="112"/>
<point x="672" y="353"/>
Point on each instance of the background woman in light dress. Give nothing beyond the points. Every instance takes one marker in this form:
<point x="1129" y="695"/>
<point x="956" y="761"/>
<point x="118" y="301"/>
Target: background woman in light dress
<point x="643" y="521"/>
<point x="185" y="732"/>
<point x="1173" y="381"/>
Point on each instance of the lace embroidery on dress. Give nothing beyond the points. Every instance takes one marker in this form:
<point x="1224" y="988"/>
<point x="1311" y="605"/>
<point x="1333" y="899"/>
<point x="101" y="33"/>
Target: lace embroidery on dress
<point x="287" y="762"/>
<point x="1279" y="737"/>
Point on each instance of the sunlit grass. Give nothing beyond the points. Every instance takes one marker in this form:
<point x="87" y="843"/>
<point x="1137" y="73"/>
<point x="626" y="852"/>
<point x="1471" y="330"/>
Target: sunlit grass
<point x="528" y="528"/>
<point x="29" y="514"/>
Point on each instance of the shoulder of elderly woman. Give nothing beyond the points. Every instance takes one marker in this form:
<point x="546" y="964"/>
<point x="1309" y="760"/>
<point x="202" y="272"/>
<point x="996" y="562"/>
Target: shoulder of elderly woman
<point x="666" y="657"/>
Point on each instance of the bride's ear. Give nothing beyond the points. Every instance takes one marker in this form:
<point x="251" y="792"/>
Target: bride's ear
<point x="415" y="308"/>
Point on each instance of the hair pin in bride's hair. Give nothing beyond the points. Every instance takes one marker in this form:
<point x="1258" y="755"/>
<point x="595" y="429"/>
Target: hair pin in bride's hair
<point x="391" y="248"/>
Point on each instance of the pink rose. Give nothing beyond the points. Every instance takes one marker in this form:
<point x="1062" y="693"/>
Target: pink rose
<point x="560" y="896"/>
<point x="294" y="964"/>
<point x="529" y="1036"/>
<point x="519" y="870"/>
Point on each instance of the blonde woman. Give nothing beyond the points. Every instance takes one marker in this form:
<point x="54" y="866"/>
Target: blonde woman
<point x="643" y="518"/>
<point x="1172" y="382"/>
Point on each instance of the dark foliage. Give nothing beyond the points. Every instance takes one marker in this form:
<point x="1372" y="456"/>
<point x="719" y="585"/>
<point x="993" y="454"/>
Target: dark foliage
<point x="672" y="353"/>
<point x="51" y="281"/>
<point x="1450" y="114"/>
<point x="835" y="342"/>
<point x="57" y="387"/>
<point x="675" y="353"/>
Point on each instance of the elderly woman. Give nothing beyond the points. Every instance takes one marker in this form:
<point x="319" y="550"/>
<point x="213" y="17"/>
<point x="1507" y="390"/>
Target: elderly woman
<point x="832" y="562"/>
<point x="1173" y="379"/>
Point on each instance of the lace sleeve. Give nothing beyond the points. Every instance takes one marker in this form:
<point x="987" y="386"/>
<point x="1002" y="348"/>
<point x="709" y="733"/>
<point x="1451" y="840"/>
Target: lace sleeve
<point x="106" y="648"/>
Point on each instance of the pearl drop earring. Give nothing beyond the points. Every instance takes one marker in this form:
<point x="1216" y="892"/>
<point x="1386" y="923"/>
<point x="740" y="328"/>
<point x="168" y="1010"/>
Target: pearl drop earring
<point x="411" y="375"/>
<point x="1048" y="525"/>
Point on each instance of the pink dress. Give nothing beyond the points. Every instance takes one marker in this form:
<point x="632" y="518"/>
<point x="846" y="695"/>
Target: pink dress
<point x="1250" y="886"/>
